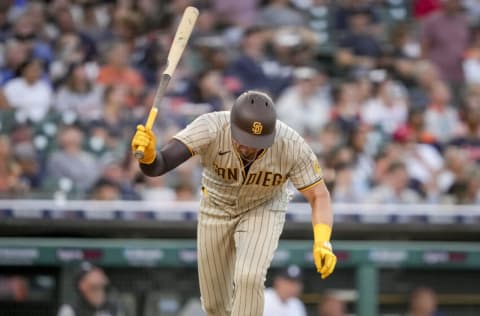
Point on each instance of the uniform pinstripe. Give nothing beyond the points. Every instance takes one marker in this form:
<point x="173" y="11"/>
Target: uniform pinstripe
<point x="242" y="214"/>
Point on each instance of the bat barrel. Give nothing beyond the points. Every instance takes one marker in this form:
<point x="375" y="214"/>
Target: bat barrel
<point x="184" y="30"/>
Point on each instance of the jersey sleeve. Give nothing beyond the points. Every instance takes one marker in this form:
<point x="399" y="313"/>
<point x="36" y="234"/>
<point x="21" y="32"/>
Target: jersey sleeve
<point x="306" y="171"/>
<point x="198" y="134"/>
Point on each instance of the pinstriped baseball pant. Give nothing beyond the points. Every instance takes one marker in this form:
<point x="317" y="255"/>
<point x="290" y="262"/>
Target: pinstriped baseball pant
<point x="234" y="254"/>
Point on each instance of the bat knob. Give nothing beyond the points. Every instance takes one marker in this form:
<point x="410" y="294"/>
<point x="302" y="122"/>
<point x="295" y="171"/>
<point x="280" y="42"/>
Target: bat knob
<point x="139" y="154"/>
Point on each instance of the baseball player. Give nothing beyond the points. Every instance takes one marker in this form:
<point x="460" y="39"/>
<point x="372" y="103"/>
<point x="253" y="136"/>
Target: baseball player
<point x="248" y="156"/>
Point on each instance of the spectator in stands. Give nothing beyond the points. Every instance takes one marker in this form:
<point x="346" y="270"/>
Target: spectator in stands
<point x="423" y="8"/>
<point x="118" y="72"/>
<point x="66" y="28"/>
<point x="9" y="170"/>
<point x="147" y="49"/>
<point x="469" y="139"/>
<point x="126" y="26"/>
<point x="328" y="138"/>
<point x="473" y="187"/>
<point x="471" y="63"/>
<point x="247" y="67"/>
<point x="279" y="13"/>
<point x="363" y="163"/>
<point x="342" y="187"/>
<point x="4" y="24"/>
<point x="466" y="188"/>
<point x="184" y="191"/>
<point x="71" y="161"/>
<point x="441" y="118"/>
<point x="79" y="94"/>
<point x="282" y="298"/>
<point x="404" y="54"/>
<point x="472" y="10"/>
<point x="423" y="302"/>
<point x="116" y="172"/>
<point x="471" y="98"/>
<point x="24" y="31"/>
<point x="156" y="189"/>
<point x="424" y="76"/>
<point x="302" y="106"/>
<point x="415" y="126"/>
<point x="31" y="171"/>
<point x="339" y="159"/>
<point x="385" y="156"/>
<point x="292" y="47"/>
<point x="28" y="94"/>
<point x="346" y="106"/>
<point x="242" y="14"/>
<point x="105" y="190"/>
<point x="445" y="36"/>
<point x="94" y="19"/>
<point x="213" y="54"/>
<point x="457" y="166"/>
<point x="106" y="144"/>
<point x="209" y="88"/>
<point x="68" y="50"/>
<point x="347" y="8"/>
<point x="404" y="44"/>
<point x="332" y="306"/>
<point x="387" y="109"/>
<point x="4" y="105"/>
<point x="393" y="188"/>
<point x="116" y="116"/>
<point x="268" y="57"/>
<point x="359" y="49"/>
<point x="36" y="12"/>
<point x="423" y="160"/>
<point x="91" y="284"/>
<point x="15" y="54"/>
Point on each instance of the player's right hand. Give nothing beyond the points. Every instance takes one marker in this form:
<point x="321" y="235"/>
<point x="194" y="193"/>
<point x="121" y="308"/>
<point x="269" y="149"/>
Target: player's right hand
<point x="145" y="138"/>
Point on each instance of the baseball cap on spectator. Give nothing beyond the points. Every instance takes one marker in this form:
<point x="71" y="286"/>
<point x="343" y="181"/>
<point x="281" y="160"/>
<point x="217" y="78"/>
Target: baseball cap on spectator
<point x="304" y="73"/>
<point x="82" y="270"/>
<point x="287" y="37"/>
<point x="292" y="273"/>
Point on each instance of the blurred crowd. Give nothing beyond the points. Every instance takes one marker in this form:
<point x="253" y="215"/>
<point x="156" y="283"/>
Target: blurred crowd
<point x="386" y="92"/>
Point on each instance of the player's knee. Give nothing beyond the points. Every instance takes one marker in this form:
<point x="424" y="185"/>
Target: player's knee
<point x="213" y="308"/>
<point x="251" y="280"/>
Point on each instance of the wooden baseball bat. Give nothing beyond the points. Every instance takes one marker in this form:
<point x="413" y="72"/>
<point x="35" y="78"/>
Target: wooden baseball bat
<point x="184" y="30"/>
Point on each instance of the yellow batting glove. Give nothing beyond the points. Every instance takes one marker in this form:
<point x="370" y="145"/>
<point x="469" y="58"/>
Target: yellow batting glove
<point x="325" y="260"/>
<point x="145" y="138"/>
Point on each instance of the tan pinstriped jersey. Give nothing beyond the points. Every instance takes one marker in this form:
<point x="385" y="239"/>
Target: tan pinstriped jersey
<point x="226" y="186"/>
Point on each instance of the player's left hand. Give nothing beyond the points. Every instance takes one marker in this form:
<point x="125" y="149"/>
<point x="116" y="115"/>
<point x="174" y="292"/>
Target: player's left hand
<point x="324" y="258"/>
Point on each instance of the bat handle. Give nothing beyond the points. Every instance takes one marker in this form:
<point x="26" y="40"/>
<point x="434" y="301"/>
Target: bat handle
<point x="152" y="115"/>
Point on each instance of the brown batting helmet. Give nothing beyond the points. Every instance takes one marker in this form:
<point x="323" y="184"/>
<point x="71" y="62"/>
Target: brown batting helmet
<point x="253" y="119"/>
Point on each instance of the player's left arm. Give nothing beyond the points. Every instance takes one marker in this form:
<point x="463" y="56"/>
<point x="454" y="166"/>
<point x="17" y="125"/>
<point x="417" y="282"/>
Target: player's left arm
<point x="306" y="175"/>
<point x="322" y="221"/>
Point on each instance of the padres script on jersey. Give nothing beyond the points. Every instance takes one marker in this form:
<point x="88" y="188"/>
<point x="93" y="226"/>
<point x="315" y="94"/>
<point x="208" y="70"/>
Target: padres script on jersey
<point x="224" y="180"/>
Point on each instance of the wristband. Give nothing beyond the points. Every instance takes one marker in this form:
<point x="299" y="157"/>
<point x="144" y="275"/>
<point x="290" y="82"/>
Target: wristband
<point x="148" y="160"/>
<point x="321" y="232"/>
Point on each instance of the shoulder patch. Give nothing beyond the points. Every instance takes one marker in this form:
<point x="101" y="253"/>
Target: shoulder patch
<point x="316" y="168"/>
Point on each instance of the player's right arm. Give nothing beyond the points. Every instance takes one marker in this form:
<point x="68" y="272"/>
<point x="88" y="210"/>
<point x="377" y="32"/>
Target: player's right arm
<point x="169" y="157"/>
<point x="192" y="140"/>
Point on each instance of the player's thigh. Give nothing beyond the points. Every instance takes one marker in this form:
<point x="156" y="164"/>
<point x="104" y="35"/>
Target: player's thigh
<point x="216" y="252"/>
<point x="256" y="238"/>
